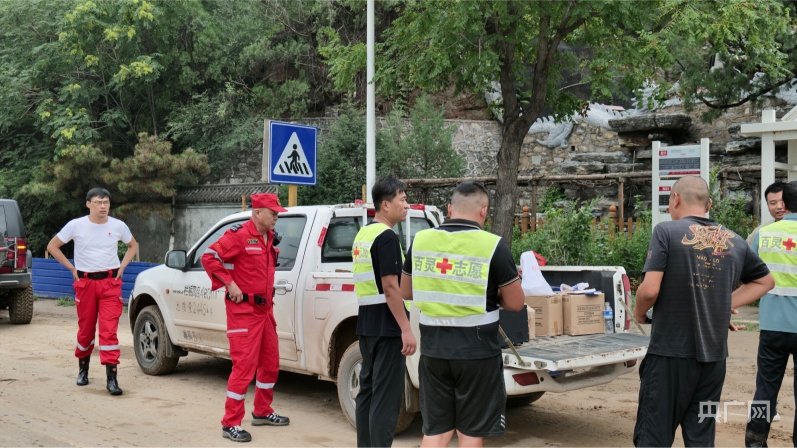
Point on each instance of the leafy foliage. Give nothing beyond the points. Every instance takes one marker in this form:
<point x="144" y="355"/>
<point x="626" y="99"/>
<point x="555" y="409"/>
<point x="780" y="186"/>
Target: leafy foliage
<point x="569" y="238"/>
<point x="565" y="238"/>
<point x="341" y="162"/>
<point x="59" y="188"/>
<point x="537" y="52"/>
<point x="551" y="196"/>
<point x="421" y="150"/>
<point x="729" y="211"/>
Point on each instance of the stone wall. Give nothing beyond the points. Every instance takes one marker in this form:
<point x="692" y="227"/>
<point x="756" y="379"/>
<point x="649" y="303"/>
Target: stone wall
<point x="587" y="145"/>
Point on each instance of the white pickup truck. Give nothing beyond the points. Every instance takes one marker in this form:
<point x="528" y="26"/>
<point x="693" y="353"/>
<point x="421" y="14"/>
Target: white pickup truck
<point x="172" y="311"/>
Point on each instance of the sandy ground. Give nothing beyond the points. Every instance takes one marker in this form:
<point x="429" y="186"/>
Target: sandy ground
<point x="40" y="405"/>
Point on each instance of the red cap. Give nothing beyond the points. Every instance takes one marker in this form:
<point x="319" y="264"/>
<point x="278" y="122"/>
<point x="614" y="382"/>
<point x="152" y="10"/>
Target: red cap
<point x="269" y="201"/>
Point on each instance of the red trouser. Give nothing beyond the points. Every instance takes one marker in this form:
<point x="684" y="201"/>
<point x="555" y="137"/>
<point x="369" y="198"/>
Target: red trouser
<point x="252" y="332"/>
<point x="103" y="299"/>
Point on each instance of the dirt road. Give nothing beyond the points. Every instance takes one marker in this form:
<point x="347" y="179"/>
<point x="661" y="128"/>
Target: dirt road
<point x="40" y="405"/>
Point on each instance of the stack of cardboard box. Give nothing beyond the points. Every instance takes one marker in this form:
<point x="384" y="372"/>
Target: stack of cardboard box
<point x="569" y="313"/>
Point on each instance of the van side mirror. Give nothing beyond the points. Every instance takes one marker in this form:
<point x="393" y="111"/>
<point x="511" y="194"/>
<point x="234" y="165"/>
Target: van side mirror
<point x="176" y="259"/>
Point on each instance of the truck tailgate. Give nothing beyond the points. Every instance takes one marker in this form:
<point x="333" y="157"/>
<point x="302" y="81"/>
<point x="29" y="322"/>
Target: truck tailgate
<point x="561" y="353"/>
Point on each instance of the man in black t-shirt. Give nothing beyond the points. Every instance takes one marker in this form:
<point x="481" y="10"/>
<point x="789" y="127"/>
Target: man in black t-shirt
<point x="460" y="371"/>
<point x="692" y="268"/>
<point x="383" y="326"/>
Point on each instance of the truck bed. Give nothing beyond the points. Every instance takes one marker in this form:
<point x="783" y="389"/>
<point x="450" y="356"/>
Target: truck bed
<point x="574" y="352"/>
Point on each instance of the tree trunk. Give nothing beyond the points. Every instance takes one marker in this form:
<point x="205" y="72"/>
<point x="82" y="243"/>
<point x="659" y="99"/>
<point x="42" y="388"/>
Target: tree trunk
<point x="505" y="198"/>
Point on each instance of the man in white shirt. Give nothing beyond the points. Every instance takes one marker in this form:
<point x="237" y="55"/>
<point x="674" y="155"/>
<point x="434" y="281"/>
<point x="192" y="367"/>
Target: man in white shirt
<point x="97" y="275"/>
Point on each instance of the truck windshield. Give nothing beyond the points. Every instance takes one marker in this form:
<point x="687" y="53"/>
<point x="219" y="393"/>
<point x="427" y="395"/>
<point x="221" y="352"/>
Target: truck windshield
<point x="341" y="232"/>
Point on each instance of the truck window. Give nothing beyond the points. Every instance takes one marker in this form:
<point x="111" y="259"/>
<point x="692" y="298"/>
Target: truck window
<point x="341" y="233"/>
<point x="416" y="225"/>
<point x="339" y="239"/>
<point x="196" y="262"/>
<point x="3" y="225"/>
<point x="290" y="229"/>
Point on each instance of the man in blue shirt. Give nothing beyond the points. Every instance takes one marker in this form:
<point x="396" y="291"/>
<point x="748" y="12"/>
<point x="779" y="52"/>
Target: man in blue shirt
<point x="777" y="246"/>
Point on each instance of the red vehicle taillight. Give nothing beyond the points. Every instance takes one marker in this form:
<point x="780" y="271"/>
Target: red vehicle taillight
<point x="627" y="288"/>
<point x="22" y="254"/>
<point x="16" y="256"/>
<point x="526" y="379"/>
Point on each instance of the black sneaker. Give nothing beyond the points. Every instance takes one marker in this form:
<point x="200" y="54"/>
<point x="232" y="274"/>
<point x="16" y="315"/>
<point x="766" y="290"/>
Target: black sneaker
<point x="235" y="433"/>
<point x="272" y="419"/>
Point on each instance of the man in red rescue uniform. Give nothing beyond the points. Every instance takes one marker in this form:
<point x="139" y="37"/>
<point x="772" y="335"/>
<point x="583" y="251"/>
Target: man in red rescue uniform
<point x="244" y="260"/>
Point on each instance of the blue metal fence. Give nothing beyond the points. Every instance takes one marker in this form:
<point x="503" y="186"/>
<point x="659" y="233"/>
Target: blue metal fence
<point x="51" y="279"/>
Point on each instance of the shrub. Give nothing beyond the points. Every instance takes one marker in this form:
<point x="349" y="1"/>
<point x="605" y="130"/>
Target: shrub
<point x="729" y="211"/>
<point x="569" y="238"/>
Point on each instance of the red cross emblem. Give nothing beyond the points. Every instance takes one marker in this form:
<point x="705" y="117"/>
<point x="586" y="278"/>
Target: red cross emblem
<point x="356" y="251"/>
<point x="444" y="266"/>
<point x="789" y="244"/>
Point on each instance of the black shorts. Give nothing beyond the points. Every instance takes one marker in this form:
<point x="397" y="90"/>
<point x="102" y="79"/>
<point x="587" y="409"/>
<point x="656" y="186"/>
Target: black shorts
<point x="463" y="394"/>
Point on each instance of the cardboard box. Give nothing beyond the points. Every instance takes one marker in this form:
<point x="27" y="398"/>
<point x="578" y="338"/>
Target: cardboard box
<point x="532" y="321"/>
<point x="583" y="314"/>
<point x="547" y="314"/>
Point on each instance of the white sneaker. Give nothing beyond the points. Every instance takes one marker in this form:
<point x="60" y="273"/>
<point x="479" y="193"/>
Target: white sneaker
<point x="776" y="418"/>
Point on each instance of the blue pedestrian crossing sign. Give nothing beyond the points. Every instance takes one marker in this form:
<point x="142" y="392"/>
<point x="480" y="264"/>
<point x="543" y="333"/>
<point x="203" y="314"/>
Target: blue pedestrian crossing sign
<point x="292" y="153"/>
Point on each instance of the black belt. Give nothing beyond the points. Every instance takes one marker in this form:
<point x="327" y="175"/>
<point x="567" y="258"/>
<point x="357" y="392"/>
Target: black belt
<point x="97" y="275"/>
<point x="259" y="300"/>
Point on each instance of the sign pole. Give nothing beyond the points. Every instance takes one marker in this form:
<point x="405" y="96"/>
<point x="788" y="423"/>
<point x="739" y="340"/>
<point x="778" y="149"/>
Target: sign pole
<point x="293" y="195"/>
<point x="655" y="199"/>
<point x="370" y="115"/>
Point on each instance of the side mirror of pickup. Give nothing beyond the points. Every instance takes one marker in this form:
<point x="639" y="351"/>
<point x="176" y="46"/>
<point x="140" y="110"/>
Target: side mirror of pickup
<point x="176" y="259"/>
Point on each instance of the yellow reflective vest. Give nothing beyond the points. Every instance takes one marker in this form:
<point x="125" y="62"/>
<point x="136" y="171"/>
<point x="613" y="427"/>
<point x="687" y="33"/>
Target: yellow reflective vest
<point x="364" y="279"/>
<point x="777" y="247"/>
<point x="449" y="277"/>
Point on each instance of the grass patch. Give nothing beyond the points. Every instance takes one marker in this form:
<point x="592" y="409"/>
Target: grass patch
<point x="65" y="301"/>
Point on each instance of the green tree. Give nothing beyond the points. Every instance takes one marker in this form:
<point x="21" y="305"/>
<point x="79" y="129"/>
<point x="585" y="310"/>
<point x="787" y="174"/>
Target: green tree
<point x="529" y="47"/>
<point x="729" y="211"/>
<point x="56" y="192"/>
<point x="340" y="168"/>
<point x="154" y="170"/>
<point x="419" y="149"/>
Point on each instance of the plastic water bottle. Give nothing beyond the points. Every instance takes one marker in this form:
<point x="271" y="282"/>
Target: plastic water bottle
<point x="608" y="318"/>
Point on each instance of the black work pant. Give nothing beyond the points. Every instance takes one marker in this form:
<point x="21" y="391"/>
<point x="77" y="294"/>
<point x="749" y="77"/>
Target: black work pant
<point x="381" y="390"/>
<point x="678" y="391"/>
<point x="774" y="349"/>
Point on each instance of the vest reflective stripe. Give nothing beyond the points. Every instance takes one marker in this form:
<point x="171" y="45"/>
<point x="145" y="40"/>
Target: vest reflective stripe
<point x="364" y="280"/>
<point x="474" y="320"/>
<point x="450" y="271"/>
<point x="364" y="277"/>
<point x="777" y="247"/>
<point x="235" y="396"/>
<point x="260" y="385"/>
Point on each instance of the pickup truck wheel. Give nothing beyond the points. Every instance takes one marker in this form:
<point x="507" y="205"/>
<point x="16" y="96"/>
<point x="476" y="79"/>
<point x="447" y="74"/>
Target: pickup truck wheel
<point x="150" y="340"/>
<point x="523" y="400"/>
<point x="349" y="386"/>
<point x="20" y="307"/>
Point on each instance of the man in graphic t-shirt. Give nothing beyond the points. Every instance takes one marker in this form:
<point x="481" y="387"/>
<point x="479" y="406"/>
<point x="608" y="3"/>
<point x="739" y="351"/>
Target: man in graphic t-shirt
<point x="693" y="266"/>
<point x="97" y="275"/>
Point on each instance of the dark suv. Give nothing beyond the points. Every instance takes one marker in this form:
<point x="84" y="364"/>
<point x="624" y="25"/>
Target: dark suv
<point x="16" y="291"/>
